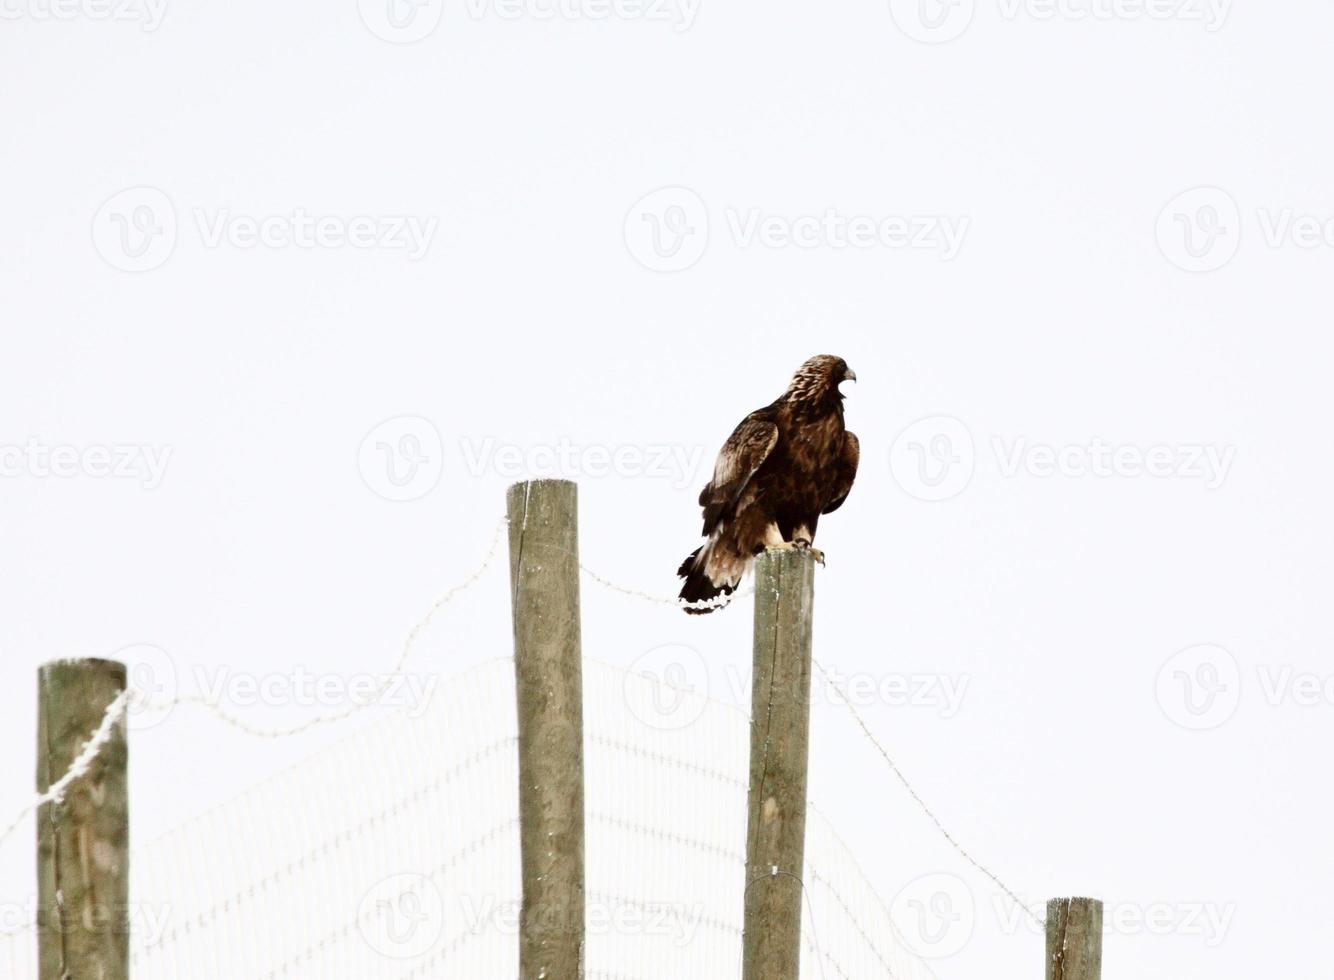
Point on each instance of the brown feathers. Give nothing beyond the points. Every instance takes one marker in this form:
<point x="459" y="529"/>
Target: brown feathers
<point x="783" y="466"/>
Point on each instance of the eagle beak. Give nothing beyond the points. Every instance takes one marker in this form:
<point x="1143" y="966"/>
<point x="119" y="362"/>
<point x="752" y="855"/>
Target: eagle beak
<point x="851" y="375"/>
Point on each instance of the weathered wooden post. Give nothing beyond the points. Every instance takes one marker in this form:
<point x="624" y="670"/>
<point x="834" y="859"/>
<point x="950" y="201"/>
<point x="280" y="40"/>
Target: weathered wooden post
<point x="780" y="713"/>
<point x="83" y="873"/>
<point x="1074" y="939"/>
<point x="544" y="581"/>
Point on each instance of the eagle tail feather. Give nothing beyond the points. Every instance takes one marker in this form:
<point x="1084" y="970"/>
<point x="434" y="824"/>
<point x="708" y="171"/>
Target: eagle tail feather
<point x="698" y="585"/>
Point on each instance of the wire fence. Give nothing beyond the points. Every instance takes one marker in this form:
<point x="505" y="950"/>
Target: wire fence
<point x="395" y="852"/>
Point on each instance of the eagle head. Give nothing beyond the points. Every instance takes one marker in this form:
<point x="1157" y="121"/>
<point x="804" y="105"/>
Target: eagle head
<point x="818" y="379"/>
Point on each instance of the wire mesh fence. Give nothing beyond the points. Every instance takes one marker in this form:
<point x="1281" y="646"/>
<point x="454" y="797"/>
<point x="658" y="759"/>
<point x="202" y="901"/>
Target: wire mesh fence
<point x="394" y="852"/>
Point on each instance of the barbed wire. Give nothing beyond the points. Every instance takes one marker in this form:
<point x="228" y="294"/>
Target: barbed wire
<point x="700" y="605"/>
<point x="79" y="767"/>
<point x="921" y="803"/>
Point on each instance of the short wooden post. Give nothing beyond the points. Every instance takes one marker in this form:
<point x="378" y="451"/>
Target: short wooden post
<point x="780" y="712"/>
<point x="83" y="879"/>
<point x="1074" y="939"/>
<point x="544" y="581"/>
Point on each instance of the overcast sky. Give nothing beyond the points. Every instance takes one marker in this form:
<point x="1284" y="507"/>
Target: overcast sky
<point x="292" y="293"/>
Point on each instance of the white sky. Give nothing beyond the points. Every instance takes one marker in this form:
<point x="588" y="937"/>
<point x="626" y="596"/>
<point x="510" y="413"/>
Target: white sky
<point x="1061" y="319"/>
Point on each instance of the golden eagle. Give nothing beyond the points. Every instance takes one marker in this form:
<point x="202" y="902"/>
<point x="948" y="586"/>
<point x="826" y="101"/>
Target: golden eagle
<point x="784" y="466"/>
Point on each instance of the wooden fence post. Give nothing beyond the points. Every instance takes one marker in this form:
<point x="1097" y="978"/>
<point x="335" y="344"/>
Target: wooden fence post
<point x="780" y="713"/>
<point x="83" y="873"/>
<point x="1074" y="939"/>
<point x="544" y="582"/>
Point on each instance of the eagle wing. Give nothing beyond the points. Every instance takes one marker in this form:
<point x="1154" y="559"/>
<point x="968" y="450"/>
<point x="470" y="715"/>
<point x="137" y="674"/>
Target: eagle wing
<point x="744" y="452"/>
<point x="845" y="471"/>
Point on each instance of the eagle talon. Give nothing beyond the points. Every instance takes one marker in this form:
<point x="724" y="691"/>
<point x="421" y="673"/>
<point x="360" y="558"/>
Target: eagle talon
<point x="802" y="544"/>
